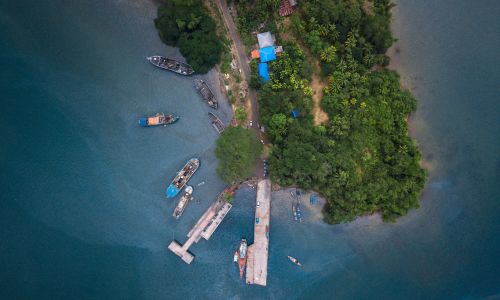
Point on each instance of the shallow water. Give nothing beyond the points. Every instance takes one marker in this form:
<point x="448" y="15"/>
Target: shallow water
<point x="83" y="208"/>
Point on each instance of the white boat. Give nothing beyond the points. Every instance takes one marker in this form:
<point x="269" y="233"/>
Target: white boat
<point x="294" y="260"/>
<point x="179" y="209"/>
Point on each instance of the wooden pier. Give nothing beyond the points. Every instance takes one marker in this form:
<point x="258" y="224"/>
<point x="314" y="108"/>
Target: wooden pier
<point x="205" y="227"/>
<point x="256" y="272"/>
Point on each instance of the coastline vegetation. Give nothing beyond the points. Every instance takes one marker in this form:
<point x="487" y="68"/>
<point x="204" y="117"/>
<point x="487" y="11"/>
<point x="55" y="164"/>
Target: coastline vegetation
<point x="361" y="159"/>
<point x="237" y="150"/>
<point x="186" y="24"/>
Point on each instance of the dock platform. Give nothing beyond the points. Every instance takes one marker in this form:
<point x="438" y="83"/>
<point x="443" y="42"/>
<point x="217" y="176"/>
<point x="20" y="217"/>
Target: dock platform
<point x="205" y="227"/>
<point x="256" y="272"/>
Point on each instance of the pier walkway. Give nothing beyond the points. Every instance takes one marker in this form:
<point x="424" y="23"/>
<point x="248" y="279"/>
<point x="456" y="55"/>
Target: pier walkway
<point x="205" y="227"/>
<point x="256" y="272"/>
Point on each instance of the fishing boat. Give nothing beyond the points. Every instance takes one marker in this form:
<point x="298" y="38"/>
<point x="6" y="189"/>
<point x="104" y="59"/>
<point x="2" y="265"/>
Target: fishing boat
<point x="294" y="210"/>
<point x="171" y="65"/>
<point x="216" y="123"/>
<point x="206" y="93"/>
<point x="158" y="119"/>
<point x="294" y="260"/>
<point x="179" y="209"/>
<point x="299" y="212"/>
<point x="182" y="177"/>
<point x="240" y="256"/>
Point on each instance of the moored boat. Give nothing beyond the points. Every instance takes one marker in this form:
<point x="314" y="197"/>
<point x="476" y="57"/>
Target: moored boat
<point x="299" y="212"/>
<point x="241" y="256"/>
<point x="158" y="119"/>
<point x="182" y="177"/>
<point x="181" y="206"/>
<point x="171" y="65"/>
<point x="206" y="93"/>
<point x="294" y="210"/>
<point x="216" y="123"/>
<point x="294" y="260"/>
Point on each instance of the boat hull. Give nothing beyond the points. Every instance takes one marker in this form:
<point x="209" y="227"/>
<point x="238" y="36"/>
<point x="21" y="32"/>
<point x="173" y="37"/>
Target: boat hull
<point x="181" y="206"/>
<point x="206" y="93"/>
<point x="171" y="65"/>
<point x="242" y="256"/>
<point x="182" y="177"/>
<point x="158" y="120"/>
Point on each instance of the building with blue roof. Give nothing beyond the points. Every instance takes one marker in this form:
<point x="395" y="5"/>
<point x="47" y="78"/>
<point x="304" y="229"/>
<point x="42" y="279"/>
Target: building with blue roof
<point x="263" y="71"/>
<point x="267" y="54"/>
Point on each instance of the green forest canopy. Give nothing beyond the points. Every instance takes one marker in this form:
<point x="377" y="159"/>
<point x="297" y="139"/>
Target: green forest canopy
<point x="362" y="160"/>
<point x="237" y="150"/>
<point x="187" y="25"/>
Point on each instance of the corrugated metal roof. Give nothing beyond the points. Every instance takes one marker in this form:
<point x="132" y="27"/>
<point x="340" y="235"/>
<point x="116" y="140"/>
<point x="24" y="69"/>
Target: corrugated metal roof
<point x="265" y="39"/>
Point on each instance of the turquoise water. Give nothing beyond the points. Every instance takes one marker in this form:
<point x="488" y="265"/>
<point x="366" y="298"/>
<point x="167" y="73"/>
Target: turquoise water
<point x="83" y="213"/>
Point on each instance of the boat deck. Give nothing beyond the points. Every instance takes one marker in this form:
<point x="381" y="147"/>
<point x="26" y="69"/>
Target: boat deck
<point x="258" y="251"/>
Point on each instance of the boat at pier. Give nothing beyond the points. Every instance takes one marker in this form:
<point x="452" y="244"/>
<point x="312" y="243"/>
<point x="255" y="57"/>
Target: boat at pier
<point x="206" y="93"/>
<point x="158" y="119"/>
<point x="179" y="209"/>
<point x="240" y="256"/>
<point x="294" y="260"/>
<point x="171" y="65"/>
<point x="216" y="123"/>
<point x="182" y="177"/>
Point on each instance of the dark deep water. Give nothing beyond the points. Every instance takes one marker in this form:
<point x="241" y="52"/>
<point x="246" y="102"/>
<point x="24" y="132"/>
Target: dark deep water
<point x="83" y="213"/>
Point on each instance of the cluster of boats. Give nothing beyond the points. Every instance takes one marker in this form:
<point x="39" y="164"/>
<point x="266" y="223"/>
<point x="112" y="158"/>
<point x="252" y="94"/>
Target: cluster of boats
<point x="162" y="119"/>
<point x="240" y="257"/>
<point x="201" y="86"/>
<point x="180" y="182"/>
<point x="184" y="175"/>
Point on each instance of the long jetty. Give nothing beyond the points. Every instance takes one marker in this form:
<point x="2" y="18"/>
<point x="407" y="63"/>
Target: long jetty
<point x="204" y="228"/>
<point x="258" y="251"/>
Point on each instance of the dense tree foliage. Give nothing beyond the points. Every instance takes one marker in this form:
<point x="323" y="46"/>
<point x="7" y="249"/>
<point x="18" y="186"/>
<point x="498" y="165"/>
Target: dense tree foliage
<point x="187" y="25"/>
<point x="237" y="150"/>
<point x="255" y="15"/>
<point x="328" y="27"/>
<point x="362" y="160"/>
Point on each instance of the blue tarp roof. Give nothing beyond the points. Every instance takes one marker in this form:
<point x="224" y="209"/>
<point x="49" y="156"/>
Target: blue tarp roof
<point x="295" y="113"/>
<point x="267" y="54"/>
<point x="263" y="71"/>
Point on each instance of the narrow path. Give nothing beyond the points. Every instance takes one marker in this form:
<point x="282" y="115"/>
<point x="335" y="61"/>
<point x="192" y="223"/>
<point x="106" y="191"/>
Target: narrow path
<point x="317" y="85"/>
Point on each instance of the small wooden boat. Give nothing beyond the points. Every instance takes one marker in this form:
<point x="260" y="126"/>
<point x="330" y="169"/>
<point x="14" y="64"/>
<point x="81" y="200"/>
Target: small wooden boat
<point x="171" y="65"/>
<point x="294" y="260"/>
<point x="216" y="123"/>
<point x="206" y="93"/>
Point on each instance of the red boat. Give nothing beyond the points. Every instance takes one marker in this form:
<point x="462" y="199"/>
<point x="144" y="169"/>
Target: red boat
<point x="240" y="256"/>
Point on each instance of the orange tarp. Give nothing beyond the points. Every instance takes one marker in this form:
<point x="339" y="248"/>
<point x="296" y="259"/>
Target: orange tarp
<point x="255" y="54"/>
<point x="153" y="120"/>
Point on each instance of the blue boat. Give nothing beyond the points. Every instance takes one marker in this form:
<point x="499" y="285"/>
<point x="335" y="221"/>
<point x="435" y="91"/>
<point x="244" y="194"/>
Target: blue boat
<point x="182" y="177"/>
